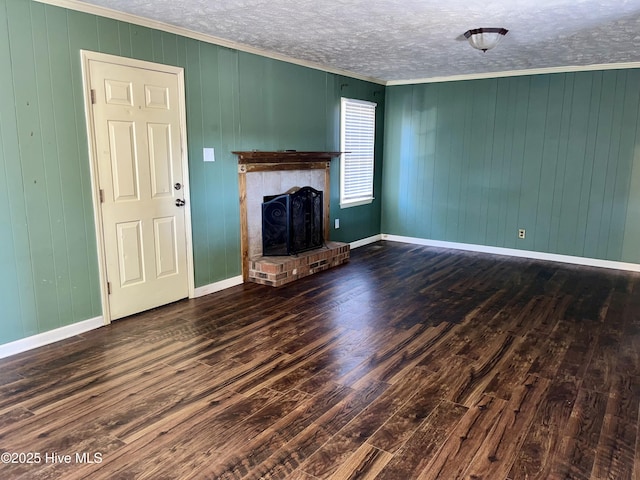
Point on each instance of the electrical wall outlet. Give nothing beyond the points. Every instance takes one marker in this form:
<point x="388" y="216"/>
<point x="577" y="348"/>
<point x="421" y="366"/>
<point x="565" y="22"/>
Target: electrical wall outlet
<point x="337" y="223"/>
<point x="521" y="233"/>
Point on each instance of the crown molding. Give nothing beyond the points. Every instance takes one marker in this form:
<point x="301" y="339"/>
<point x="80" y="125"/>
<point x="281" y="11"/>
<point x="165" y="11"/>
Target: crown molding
<point x="145" y="22"/>
<point x="517" y="73"/>
<point x="185" y="32"/>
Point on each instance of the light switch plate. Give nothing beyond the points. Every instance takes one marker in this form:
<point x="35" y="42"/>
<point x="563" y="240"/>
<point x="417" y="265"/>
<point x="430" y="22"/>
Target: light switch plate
<point x="209" y="154"/>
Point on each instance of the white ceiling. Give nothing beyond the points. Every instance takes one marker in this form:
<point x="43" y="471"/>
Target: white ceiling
<point x="406" y="40"/>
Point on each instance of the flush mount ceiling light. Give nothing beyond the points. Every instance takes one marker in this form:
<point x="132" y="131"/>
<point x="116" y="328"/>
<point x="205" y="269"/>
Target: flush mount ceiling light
<point x="485" y="38"/>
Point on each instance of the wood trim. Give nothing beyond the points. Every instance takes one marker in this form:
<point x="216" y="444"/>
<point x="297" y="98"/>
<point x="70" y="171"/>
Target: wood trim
<point x="218" y="286"/>
<point x="80" y="6"/>
<point x="50" y="336"/>
<point x="275" y="167"/>
<point x="327" y="203"/>
<point x="244" y="227"/>
<point x="286" y="156"/>
<point x="515" y="73"/>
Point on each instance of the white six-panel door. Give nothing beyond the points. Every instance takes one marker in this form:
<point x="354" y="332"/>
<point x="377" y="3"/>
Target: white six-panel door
<point x="136" y="122"/>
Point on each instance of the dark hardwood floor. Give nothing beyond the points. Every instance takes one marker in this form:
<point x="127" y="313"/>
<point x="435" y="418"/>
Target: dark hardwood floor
<point x="407" y="363"/>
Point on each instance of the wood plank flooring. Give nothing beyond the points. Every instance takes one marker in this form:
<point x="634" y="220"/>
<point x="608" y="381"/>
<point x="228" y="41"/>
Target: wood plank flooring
<point x="407" y="363"/>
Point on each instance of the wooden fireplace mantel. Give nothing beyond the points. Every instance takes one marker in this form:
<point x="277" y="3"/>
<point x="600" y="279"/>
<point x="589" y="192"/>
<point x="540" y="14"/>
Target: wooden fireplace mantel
<point x="263" y="161"/>
<point x="258" y="161"/>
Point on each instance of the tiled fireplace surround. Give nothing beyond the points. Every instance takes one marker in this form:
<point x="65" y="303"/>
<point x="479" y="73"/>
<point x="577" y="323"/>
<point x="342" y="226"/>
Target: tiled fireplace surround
<point x="273" y="173"/>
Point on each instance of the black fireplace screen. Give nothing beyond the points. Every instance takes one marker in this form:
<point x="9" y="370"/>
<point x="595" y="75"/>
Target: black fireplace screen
<point x="292" y="222"/>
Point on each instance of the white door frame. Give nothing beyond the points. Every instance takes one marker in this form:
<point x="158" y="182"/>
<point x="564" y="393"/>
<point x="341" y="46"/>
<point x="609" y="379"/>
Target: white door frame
<point x="86" y="57"/>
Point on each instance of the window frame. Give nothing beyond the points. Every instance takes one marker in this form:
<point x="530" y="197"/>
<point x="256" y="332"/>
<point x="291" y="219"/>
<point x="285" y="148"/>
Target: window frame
<point x="368" y="151"/>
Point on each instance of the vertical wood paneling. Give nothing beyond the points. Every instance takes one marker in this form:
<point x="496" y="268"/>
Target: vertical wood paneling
<point x="10" y="294"/>
<point x="82" y="34"/>
<point x="490" y="98"/>
<point x="554" y="154"/>
<point x="299" y="95"/>
<point x="514" y="190"/>
<point x="282" y="106"/>
<point x="415" y="215"/>
<point x="408" y="152"/>
<point x="169" y="49"/>
<point x="156" y="45"/>
<point x="108" y="41"/>
<point x="199" y="200"/>
<point x="588" y="162"/>
<point x="446" y="125"/>
<point x="16" y="282"/>
<point x="395" y="125"/>
<point x="550" y="163"/>
<point x="212" y="172"/>
<point x="234" y="101"/>
<point x="508" y="188"/>
<point x="254" y="95"/>
<point x="628" y="145"/>
<point x="141" y="43"/>
<point x="229" y="132"/>
<point x="69" y="157"/>
<point x="469" y="193"/>
<point x="498" y="206"/>
<point x="558" y="192"/>
<point x="601" y="160"/>
<point x="463" y="156"/>
<point x="575" y="165"/>
<point x="52" y="187"/>
<point x="181" y="61"/>
<point x="630" y="245"/>
<point x="532" y="158"/>
<point x="427" y="146"/>
<point x="406" y="168"/>
<point x="455" y="150"/>
<point x="124" y="36"/>
<point x="29" y="139"/>
<point x="611" y="173"/>
<point x="414" y="187"/>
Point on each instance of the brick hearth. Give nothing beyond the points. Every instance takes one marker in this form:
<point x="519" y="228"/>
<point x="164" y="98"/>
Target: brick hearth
<point x="278" y="271"/>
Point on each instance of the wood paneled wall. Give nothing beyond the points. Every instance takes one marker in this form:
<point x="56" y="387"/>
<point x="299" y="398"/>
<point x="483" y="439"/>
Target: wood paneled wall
<point x="234" y="100"/>
<point x="557" y="155"/>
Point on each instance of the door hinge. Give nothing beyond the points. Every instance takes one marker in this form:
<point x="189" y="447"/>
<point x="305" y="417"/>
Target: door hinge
<point x="101" y="196"/>
<point x="93" y="96"/>
<point x="108" y="288"/>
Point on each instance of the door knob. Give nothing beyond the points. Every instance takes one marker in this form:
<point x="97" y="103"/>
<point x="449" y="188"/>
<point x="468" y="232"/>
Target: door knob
<point x="177" y="186"/>
<point x="179" y="202"/>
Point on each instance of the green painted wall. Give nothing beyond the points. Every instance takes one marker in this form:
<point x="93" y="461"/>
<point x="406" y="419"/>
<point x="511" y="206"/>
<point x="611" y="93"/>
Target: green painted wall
<point x="558" y="155"/>
<point x="234" y="101"/>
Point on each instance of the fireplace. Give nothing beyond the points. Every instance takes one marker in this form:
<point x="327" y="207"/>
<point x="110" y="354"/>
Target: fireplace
<point x="261" y="178"/>
<point x="292" y="222"/>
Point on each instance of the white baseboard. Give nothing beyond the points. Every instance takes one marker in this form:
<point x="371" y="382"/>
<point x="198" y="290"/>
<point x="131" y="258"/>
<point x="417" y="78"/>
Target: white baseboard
<point x="45" y="338"/>
<point x="554" y="257"/>
<point x="62" y="333"/>
<point x="365" y="241"/>
<point x="217" y="286"/>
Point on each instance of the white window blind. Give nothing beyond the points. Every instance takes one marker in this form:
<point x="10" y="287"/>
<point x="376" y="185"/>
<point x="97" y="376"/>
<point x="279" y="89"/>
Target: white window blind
<point x="357" y="136"/>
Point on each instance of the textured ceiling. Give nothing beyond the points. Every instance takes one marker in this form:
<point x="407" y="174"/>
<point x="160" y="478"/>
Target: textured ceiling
<point x="404" y="40"/>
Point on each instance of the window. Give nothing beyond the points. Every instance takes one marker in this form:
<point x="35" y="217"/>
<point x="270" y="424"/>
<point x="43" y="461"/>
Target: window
<point x="357" y="129"/>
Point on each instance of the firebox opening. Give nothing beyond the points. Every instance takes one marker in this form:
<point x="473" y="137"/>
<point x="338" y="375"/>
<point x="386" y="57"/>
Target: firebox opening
<point x="292" y="222"/>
